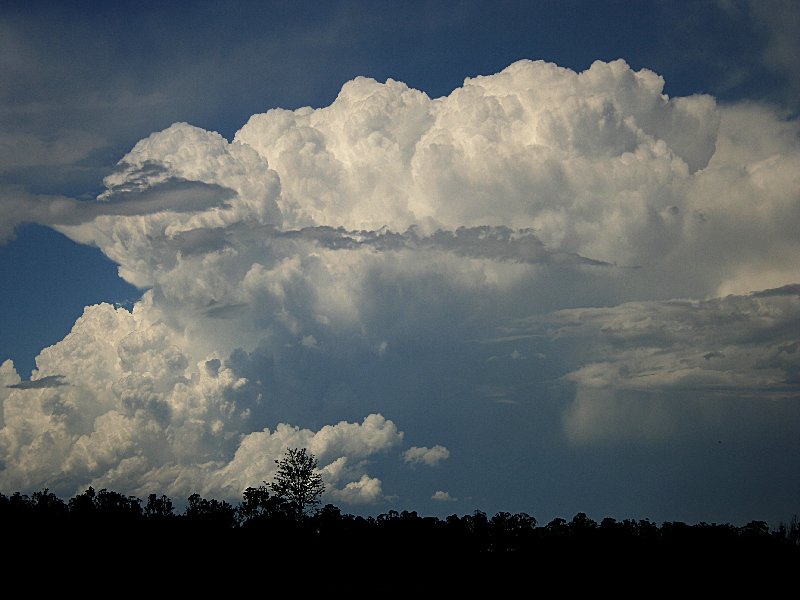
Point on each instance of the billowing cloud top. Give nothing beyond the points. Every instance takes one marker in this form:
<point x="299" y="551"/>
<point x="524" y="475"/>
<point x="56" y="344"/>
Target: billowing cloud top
<point x="291" y="270"/>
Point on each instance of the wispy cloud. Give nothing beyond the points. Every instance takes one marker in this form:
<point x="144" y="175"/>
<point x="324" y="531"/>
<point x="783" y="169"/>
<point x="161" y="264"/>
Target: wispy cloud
<point x="49" y="381"/>
<point x="173" y="194"/>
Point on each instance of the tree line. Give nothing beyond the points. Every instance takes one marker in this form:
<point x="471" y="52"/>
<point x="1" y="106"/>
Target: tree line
<point x="286" y="512"/>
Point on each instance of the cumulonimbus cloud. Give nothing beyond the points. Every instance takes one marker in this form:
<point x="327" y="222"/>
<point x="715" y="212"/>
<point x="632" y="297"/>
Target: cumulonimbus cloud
<point x="290" y="271"/>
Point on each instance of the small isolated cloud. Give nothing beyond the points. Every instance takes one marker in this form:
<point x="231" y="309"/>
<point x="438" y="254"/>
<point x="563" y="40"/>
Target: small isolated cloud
<point x="441" y="496"/>
<point x="43" y="382"/>
<point x="428" y="456"/>
<point x="366" y="490"/>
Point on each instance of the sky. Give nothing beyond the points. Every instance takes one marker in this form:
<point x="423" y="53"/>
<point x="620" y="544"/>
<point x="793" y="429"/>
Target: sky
<point x="533" y="257"/>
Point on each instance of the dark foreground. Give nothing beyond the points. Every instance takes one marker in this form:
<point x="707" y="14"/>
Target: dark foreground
<point x="264" y="540"/>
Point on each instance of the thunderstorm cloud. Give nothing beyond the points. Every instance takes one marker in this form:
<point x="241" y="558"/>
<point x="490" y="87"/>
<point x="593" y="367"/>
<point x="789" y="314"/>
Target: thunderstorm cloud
<point x="579" y="229"/>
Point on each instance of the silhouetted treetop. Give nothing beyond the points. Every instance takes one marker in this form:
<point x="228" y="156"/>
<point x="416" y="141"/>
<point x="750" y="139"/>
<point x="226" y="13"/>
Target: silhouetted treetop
<point x="297" y="480"/>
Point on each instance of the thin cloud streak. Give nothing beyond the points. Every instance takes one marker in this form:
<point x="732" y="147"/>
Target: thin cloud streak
<point x="48" y="381"/>
<point x="175" y="195"/>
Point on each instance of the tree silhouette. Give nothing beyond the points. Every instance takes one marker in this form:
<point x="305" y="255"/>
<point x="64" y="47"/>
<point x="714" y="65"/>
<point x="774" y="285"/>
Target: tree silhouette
<point x="122" y="528"/>
<point x="297" y="480"/>
<point x="257" y="506"/>
<point x="212" y="513"/>
<point x="159" y="508"/>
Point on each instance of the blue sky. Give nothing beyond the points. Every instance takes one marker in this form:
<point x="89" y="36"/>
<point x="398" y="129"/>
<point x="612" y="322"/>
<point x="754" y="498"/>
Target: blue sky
<point x="545" y="292"/>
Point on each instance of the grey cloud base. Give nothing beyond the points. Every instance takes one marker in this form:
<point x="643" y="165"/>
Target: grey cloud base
<point x="430" y="294"/>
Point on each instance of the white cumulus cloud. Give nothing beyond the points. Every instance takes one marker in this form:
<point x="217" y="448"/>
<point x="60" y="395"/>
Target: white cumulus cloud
<point x="428" y="456"/>
<point x="366" y="490"/>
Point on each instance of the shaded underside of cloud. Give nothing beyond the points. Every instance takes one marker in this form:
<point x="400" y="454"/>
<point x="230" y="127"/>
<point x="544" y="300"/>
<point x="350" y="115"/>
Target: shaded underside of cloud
<point x="629" y="362"/>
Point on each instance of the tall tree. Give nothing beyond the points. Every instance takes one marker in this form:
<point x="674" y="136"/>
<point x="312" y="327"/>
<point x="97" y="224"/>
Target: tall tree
<point x="297" y="480"/>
